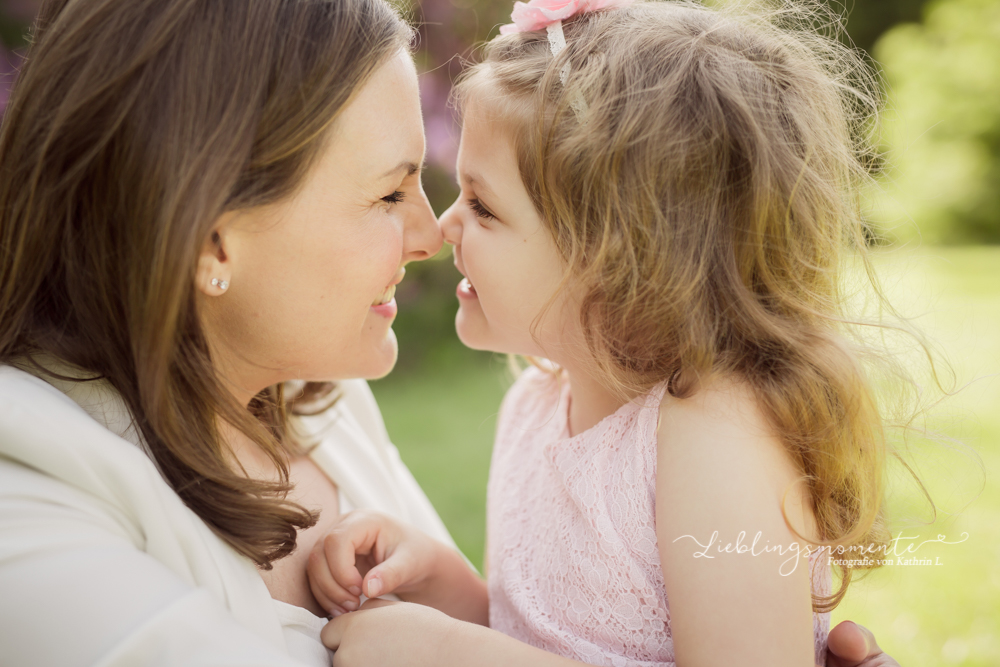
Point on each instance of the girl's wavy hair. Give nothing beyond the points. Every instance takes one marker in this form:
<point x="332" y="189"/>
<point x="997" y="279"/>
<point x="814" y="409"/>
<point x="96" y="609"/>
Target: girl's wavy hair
<point x="700" y="173"/>
<point x="133" y="126"/>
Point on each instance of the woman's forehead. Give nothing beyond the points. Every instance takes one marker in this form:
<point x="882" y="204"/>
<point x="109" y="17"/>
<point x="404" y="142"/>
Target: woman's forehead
<point x="381" y="131"/>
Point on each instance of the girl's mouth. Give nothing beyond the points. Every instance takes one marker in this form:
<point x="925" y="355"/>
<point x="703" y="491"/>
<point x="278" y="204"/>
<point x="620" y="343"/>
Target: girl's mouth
<point x="466" y="290"/>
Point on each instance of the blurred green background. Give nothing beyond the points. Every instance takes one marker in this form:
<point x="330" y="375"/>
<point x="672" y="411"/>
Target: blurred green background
<point x="937" y="208"/>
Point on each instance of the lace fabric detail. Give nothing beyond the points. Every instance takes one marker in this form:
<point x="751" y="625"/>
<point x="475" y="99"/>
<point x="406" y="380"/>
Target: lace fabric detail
<point x="574" y="567"/>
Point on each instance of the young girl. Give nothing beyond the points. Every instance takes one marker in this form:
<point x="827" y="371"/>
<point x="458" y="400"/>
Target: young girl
<point x="656" y="198"/>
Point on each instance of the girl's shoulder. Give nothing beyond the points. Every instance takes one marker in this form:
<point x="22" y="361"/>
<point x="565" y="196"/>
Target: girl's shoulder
<point x="721" y="434"/>
<point x="719" y="402"/>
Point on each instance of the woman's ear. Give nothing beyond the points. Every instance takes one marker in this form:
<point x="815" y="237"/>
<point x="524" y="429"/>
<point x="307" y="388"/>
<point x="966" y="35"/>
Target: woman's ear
<point x="215" y="266"/>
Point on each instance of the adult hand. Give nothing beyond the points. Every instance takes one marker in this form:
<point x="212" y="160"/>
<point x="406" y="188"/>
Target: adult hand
<point x="405" y="634"/>
<point x="853" y="645"/>
<point x="389" y="634"/>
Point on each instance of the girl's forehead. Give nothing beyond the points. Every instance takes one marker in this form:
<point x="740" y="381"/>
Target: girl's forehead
<point x="486" y="160"/>
<point x="486" y="138"/>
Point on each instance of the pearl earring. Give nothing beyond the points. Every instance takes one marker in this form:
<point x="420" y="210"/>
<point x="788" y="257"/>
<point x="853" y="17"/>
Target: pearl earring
<point x="221" y="283"/>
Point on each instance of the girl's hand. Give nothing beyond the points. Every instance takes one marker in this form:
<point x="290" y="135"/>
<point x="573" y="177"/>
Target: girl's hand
<point x="371" y="553"/>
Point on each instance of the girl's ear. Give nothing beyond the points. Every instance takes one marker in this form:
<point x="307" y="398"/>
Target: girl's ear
<point x="215" y="261"/>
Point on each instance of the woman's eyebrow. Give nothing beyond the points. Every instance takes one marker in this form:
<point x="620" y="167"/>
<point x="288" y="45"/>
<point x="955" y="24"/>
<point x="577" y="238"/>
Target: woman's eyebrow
<point x="410" y="166"/>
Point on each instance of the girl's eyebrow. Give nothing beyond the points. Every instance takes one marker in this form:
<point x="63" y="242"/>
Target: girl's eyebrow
<point x="473" y="179"/>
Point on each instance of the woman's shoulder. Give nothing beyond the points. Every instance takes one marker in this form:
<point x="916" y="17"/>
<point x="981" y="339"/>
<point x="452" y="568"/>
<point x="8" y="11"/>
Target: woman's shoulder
<point x="57" y="453"/>
<point x="43" y="428"/>
<point x="36" y="416"/>
<point x="26" y="390"/>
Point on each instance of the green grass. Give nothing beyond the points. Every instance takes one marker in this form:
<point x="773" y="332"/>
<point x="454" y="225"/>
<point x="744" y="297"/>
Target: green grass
<point x="947" y="613"/>
<point x="443" y="422"/>
<point x="924" y="615"/>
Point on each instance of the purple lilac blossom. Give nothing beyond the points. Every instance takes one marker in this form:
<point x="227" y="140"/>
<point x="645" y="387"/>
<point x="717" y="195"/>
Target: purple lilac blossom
<point x="449" y="29"/>
<point x="8" y="71"/>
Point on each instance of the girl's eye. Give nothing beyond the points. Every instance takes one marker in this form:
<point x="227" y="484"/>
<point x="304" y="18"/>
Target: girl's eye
<point x="394" y="198"/>
<point x="480" y="210"/>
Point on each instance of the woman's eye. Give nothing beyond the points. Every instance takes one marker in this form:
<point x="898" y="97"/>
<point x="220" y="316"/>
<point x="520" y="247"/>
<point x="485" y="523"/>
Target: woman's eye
<point x="480" y="210"/>
<point x="394" y="198"/>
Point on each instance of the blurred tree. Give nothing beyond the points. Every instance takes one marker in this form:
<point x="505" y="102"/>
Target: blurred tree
<point x="15" y="16"/>
<point x="867" y="21"/>
<point x="943" y="131"/>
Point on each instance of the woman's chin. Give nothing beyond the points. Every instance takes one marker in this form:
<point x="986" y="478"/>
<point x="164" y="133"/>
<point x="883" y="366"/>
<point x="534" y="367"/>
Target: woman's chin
<point x="370" y="361"/>
<point x="382" y="360"/>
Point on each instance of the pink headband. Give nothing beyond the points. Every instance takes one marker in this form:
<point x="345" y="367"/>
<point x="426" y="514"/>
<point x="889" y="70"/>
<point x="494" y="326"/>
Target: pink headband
<point x="539" y="14"/>
<point x="550" y="14"/>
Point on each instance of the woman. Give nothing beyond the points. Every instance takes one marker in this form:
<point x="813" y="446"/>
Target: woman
<point x="204" y="209"/>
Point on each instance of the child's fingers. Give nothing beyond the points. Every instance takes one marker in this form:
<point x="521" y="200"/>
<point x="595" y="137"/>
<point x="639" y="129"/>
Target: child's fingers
<point x="334" y="610"/>
<point x="327" y="591"/>
<point x="396" y="571"/>
<point x="352" y="541"/>
<point x="329" y="603"/>
<point x="324" y="600"/>
<point x="340" y="550"/>
<point x="379" y="581"/>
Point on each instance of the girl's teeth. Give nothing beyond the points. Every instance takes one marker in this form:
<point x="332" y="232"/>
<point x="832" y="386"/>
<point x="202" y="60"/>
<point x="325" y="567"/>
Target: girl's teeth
<point x="468" y="285"/>
<point x="386" y="296"/>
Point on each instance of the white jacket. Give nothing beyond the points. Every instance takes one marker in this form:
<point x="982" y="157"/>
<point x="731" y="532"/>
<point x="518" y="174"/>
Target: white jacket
<point x="101" y="563"/>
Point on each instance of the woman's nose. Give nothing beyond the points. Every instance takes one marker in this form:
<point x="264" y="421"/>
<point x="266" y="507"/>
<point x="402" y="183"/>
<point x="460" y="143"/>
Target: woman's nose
<point x="422" y="236"/>
<point x="451" y="224"/>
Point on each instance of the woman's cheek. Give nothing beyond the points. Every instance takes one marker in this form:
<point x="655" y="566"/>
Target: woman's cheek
<point x="382" y="255"/>
<point x="393" y="245"/>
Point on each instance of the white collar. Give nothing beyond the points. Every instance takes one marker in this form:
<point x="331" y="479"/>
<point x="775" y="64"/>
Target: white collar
<point x="97" y="397"/>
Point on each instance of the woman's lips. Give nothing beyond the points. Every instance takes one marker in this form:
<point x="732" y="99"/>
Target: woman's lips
<point x="466" y="290"/>
<point x="388" y="310"/>
<point x="385" y="304"/>
<point x="386" y="297"/>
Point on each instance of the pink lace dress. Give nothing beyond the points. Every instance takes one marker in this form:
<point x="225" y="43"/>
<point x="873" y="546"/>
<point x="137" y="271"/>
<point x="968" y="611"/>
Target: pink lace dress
<point x="573" y="562"/>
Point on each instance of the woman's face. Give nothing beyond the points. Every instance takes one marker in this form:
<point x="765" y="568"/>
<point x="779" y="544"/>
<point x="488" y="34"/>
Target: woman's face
<point x="311" y="278"/>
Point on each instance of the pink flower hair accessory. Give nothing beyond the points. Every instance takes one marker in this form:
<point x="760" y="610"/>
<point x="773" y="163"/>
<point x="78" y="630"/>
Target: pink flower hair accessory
<point x="538" y="14"/>
<point x="550" y="14"/>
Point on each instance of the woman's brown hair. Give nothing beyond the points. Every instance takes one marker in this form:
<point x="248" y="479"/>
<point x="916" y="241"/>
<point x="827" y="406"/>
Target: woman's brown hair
<point x="700" y="170"/>
<point x="133" y="126"/>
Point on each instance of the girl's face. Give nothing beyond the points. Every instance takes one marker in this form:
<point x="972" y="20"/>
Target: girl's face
<point x="511" y="265"/>
<point x="307" y="276"/>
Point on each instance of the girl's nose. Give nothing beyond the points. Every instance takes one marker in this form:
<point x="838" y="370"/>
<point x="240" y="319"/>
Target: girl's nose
<point x="451" y="224"/>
